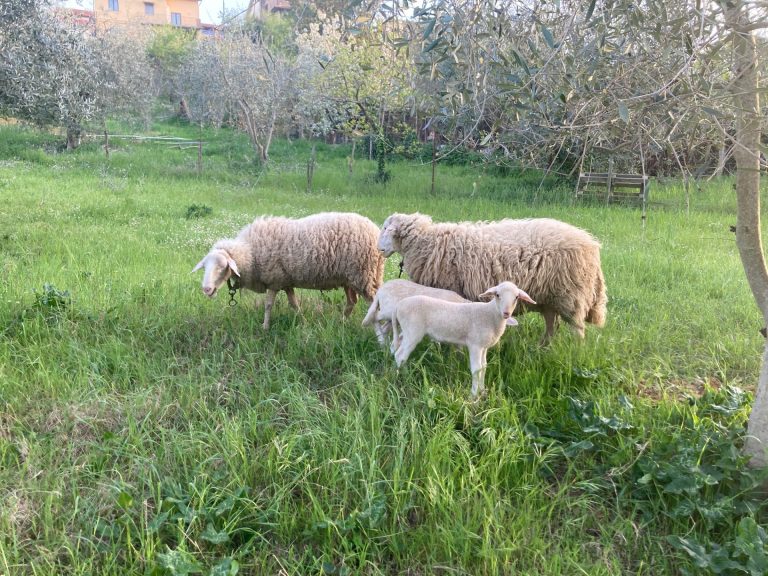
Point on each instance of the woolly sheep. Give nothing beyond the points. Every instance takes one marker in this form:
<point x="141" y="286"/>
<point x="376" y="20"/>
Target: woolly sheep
<point x="321" y="252"/>
<point x="556" y="263"/>
<point x="383" y="306"/>
<point x="476" y="325"/>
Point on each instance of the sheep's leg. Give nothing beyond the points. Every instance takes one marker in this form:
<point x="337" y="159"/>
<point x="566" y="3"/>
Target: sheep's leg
<point x="292" y="300"/>
<point x="395" y="344"/>
<point x="351" y="300"/>
<point x="578" y="330"/>
<point x="477" y="363"/>
<point x="404" y="341"/>
<point x="550" y="321"/>
<point x="404" y="350"/>
<point x="268" y="302"/>
<point x="382" y="329"/>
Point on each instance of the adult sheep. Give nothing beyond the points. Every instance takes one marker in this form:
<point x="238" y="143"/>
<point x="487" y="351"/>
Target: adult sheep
<point x="321" y="252"/>
<point x="556" y="263"/>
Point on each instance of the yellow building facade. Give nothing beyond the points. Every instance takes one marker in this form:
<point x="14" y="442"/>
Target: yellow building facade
<point x="181" y="13"/>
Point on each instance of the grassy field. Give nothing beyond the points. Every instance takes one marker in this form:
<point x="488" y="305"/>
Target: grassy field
<point x="145" y="429"/>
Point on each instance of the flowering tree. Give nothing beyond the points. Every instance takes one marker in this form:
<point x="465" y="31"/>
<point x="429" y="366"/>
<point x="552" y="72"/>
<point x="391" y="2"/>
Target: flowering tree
<point x="352" y="81"/>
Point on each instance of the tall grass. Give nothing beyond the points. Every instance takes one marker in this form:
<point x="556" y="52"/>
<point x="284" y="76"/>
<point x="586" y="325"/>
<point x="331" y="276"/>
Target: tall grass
<point x="146" y="429"/>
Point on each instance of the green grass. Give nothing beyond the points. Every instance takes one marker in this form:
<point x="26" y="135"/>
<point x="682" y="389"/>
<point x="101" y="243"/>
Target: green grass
<point x="145" y="429"/>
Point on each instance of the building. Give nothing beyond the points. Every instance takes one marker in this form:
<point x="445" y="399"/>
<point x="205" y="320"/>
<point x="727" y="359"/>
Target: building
<point x="181" y="13"/>
<point x="258" y="8"/>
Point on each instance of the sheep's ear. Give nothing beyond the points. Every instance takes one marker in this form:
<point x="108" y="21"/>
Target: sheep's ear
<point x="233" y="267"/>
<point x="521" y="295"/>
<point x="199" y="265"/>
<point x="391" y="223"/>
<point x="490" y="293"/>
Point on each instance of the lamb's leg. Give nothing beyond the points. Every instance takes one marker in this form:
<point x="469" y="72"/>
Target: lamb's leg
<point x="292" y="300"/>
<point x="395" y="344"/>
<point x="351" y="300"/>
<point x="382" y="329"/>
<point x="477" y="363"/>
<point x="550" y="321"/>
<point x="268" y="301"/>
<point x="405" y="348"/>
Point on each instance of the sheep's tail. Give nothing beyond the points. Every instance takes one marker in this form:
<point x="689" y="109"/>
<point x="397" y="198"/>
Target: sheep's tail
<point x="597" y="312"/>
<point x="372" y="309"/>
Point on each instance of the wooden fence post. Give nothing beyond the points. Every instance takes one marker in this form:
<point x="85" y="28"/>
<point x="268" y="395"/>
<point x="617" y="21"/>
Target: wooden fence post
<point x="609" y="185"/>
<point x="200" y="150"/>
<point x="311" y="168"/>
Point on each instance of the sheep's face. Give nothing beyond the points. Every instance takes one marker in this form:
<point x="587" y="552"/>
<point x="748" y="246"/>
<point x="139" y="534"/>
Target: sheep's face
<point x="219" y="267"/>
<point x="398" y="226"/>
<point x="388" y="237"/>
<point x="506" y="295"/>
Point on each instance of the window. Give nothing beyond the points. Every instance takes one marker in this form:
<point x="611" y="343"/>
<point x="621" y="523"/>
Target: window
<point x="175" y="18"/>
<point x="149" y="9"/>
<point x="113" y="6"/>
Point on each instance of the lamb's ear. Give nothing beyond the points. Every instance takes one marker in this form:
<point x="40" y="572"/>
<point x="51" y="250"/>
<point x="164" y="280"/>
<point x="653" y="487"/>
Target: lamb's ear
<point x="233" y="266"/>
<point x="521" y="295"/>
<point x="490" y="293"/>
<point x="199" y="265"/>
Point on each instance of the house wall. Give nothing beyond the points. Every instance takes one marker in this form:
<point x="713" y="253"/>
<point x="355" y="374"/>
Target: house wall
<point x="189" y="10"/>
<point x="133" y="12"/>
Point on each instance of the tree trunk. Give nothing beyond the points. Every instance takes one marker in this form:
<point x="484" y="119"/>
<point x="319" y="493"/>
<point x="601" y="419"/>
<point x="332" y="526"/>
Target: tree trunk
<point x="183" y="109"/>
<point x="74" y="136"/>
<point x="746" y="102"/>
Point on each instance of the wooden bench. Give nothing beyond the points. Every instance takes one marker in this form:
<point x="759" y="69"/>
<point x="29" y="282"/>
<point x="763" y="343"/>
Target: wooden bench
<point x="613" y="188"/>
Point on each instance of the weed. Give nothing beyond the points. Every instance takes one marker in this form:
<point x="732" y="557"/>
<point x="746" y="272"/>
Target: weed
<point x="198" y="211"/>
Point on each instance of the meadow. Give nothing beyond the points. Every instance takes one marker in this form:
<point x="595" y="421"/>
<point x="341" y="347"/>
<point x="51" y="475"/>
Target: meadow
<point x="145" y="429"/>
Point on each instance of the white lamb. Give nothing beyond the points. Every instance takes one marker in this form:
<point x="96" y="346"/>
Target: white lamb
<point x="382" y="308"/>
<point x="476" y="325"/>
<point x="323" y="251"/>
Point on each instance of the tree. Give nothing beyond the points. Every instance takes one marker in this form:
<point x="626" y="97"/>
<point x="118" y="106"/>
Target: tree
<point x="252" y="83"/>
<point x="745" y="92"/>
<point x="47" y="72"/>
<point x="353" y="83"/>
<point x="126" y="87"/>
<point x="168" y="49"/>
<point x="543" y="82"/>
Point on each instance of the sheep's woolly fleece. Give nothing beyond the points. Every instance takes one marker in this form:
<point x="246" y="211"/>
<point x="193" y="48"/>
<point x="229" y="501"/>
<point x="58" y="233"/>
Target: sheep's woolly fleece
<point x="556" y="263"/>
<point x="321" y="251"/>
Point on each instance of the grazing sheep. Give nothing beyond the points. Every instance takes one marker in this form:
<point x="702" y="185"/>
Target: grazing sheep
<point x="321" y="252"/>
<point x="383" y="306"/>
<point x="556" y="263"/>
<point x="476" y="325"/>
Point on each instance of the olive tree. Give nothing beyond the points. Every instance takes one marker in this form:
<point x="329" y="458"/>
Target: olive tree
<point x="239" y="78"/>
<point x="47" y="72"/>
<point x="127" y="88"/>
<point x="741" y="20"/>
<point x="544" y="82"/>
